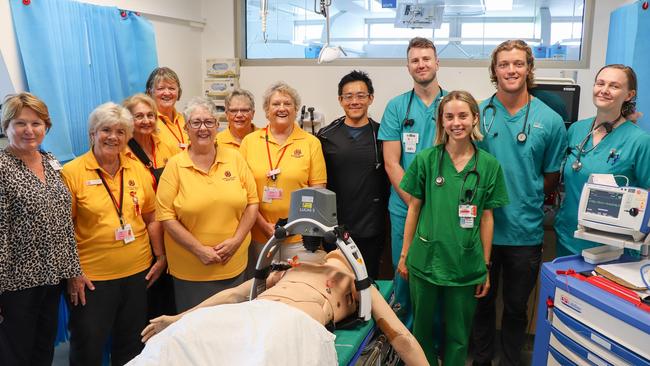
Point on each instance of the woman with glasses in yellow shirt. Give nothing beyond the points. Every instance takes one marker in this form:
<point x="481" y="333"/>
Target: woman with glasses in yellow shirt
<point x="207" y="203"/>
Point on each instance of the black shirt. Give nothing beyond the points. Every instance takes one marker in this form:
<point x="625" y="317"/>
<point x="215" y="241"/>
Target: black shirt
<point x="355" y="172"/>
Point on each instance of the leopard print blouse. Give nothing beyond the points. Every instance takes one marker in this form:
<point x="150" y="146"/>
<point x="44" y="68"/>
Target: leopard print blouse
<point x="37" y="243"/>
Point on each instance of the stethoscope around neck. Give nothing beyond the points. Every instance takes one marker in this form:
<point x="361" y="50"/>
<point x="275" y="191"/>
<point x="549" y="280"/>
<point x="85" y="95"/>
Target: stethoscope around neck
<point x="409" y="122"/>
<point x="377" y="163"/>
<point x="609" y="126"/>
<point x="521" y="136"/>
<point x="440" y="179"/>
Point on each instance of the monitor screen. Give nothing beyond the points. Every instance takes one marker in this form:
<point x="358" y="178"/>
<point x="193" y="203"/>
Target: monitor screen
<point x="604" y="203"/>
<point x="563" y="99"/>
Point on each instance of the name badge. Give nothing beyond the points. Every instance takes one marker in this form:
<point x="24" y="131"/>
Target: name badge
<point x="93" y="182"/>
<point x="55" y="165"/>
<point x="466" y="222"/>
<point x="271" y="193"/>
<point x="125" y="234"/>
<point x="411" y="140"/>
<point x="467" y="210"/>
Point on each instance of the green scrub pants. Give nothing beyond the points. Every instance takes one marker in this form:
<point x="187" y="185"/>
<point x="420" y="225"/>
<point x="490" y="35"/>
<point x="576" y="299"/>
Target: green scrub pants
<point x="456" y="304"/>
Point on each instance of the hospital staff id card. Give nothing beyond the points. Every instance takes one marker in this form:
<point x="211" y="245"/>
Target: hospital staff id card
<point x="467" y="213"/>
<point x="411" y="140"/>
<point x="125" y="234"/>
<point x="271" y="193"/>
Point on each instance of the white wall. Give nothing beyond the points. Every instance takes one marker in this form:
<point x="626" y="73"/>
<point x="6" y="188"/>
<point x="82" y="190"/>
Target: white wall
<point x="183" y="47"/>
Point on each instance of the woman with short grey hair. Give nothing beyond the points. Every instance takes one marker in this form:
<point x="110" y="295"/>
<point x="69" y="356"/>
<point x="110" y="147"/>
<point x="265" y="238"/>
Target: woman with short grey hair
<point x="207" y="203"/>
<point x="113" y="206"/>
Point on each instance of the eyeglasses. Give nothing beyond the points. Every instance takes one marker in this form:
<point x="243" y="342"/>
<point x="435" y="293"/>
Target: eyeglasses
<point x="358" y="96"/>
<point x="141" y="116"/>
<point x="235" y="112"/>
<point x="196" y="123"/>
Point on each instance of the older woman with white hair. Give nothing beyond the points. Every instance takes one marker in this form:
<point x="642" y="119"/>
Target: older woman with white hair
<point x="283" y="158"/>
<point x="207" y="203"/>
<point x="113" y="205"/>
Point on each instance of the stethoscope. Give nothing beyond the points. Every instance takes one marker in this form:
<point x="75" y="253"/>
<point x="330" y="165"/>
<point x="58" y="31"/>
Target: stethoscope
<point x="377" y="163"/>
<point x="469" y="194"/>
<point x="408" y="122"/>
<point x="577" y="164"/>
<point x="521" y="136"/>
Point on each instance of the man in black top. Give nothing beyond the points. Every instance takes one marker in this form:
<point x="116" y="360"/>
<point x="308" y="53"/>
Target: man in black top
<point x="355" y="168"/>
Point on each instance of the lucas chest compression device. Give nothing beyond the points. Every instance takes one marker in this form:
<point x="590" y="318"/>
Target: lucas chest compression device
<point x="313" y="215"/>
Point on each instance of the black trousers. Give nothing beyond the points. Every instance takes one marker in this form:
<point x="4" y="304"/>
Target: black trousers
<point x="160" y="297"/>
<point x="28" y="328"/>
<point x="371" y="249"/>
<point x="520" y="267"/>
<point x="116" y="308"/>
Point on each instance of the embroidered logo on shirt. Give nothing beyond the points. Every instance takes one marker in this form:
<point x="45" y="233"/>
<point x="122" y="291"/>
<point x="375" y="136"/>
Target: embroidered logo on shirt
<point x="228" y="176"/>
<point x="131" y="183"/>
<point x="297" y="153"/>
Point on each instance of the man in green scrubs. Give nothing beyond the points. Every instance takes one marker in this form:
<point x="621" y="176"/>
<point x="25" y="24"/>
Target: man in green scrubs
<point x="529" y="140"/>
<point x="408" y="127"/>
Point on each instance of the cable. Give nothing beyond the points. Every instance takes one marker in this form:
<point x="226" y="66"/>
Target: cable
<point x="642" y="270"/>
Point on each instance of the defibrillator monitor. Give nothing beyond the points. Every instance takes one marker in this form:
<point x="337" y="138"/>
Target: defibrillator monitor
<point x="620" y="210"/>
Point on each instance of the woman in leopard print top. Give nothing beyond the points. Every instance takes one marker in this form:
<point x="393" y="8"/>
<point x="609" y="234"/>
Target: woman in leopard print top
<point x="37" y="243"/>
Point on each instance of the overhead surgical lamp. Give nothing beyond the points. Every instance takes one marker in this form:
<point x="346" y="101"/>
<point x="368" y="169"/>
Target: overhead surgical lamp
<point x="327" y="53"/>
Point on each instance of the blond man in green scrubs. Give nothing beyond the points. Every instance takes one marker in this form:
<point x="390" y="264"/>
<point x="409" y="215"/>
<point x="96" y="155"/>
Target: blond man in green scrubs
<point x="448" y="233"/>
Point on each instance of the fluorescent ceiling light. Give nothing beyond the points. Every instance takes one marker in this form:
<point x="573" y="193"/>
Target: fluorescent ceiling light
<point x="498" y="5"/>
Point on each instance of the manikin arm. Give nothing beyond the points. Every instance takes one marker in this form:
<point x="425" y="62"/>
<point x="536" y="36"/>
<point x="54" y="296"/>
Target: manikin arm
<point x="398" y="335"/>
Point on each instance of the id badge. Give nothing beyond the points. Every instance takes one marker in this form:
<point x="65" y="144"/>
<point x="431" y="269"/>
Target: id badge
<point x="467" y="211"/>
<point x="409" y="148"/>
<point x="466" y="222"/>
<point x="271" y="193"/>
<point x="125" y="234"/>
<point x="55" y="165"/>
<point x="411" y="140"/>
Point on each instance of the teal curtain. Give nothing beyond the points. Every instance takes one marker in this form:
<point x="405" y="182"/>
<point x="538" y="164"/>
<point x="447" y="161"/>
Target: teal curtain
<point x="77" y="56"/>
<point x="628" y="44"/>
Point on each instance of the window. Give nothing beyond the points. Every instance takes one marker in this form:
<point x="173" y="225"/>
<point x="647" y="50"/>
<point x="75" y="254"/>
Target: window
<point x="461" y="29"/>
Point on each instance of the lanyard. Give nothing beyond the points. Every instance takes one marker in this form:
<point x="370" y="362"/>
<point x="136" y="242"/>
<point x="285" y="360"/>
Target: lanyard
<point x="181" y="139"/>
<point x="153" y="153"/>
<point x="118" y="207"/>
<point x="268" y="153"/>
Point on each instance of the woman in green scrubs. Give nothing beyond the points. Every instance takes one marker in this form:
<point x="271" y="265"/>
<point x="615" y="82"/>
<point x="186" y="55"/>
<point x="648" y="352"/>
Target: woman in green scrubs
<point x="609" y="143"/>
<point x="448" y="233"/>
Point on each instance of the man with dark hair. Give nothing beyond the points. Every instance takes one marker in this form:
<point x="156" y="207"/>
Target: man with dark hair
<point x="529" y="140"/>
<point x="408" y="127"/>
<point x="355" y="170"/>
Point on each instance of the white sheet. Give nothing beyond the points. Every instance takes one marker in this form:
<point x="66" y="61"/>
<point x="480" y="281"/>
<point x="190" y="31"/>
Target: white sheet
<point x="253" y="333"/>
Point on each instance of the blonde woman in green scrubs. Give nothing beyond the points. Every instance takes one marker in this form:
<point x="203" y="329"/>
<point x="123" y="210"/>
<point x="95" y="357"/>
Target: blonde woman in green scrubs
<point x="449" y="225"/>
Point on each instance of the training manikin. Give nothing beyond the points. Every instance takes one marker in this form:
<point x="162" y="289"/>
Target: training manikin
<point x="324" y="291"/>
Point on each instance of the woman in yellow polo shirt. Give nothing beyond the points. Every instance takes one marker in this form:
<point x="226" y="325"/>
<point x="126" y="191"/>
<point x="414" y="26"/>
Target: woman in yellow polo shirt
<point x="240" y="110"/>
<point x="283" y="158"/>
<point x="164" y="86"/>
<point x="113" y="206"/>
<point x="207" y="203"/>
<point x="146" y="148"/>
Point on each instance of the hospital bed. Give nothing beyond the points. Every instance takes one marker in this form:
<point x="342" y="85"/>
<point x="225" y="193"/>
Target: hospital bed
<point x="351" y="343"/>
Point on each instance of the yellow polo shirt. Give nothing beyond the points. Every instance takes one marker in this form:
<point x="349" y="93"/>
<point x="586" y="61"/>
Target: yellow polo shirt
<point x="301" y="166"/>
<point x="173" y="133"/>
<point x="162" y="153"/>
<point x="209" y="206"/>
<point x="95" y="218"/>
<point x="226" y="139"/>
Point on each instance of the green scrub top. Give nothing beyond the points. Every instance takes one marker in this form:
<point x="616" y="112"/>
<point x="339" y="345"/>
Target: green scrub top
<point x="524" y="165"/>
<point x="392" y="129"/>
<point x="624" y="151"/>
<point x="442" y="252"/>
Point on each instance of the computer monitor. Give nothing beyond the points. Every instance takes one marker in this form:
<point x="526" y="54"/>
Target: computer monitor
<point x="562" y="98"/>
